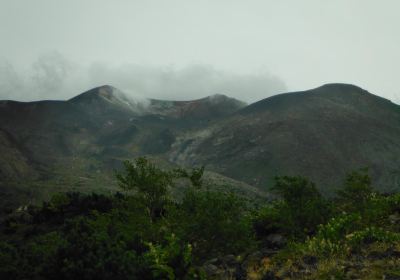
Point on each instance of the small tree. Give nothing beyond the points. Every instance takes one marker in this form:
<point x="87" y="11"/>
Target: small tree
<point x="148" y="182"/>
<point x="356" y="191"/>
<point x="213" y="223"/>
<point x="302" y="207"/>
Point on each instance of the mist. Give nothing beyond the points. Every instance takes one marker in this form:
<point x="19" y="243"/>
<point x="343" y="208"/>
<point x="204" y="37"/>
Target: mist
<point x="52" y="76"/>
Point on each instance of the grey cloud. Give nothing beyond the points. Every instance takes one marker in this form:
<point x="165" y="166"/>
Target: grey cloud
<point x="10" y="82"/>
<point x="194" y="81"/>
<point x="54" y="77"/>
<point x="49" y="77"/>
<point x="50" y="71"/>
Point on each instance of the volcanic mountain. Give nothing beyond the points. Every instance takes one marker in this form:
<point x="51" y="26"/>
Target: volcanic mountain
<point x="76" y="144"/>
<point x="79" y="142"/>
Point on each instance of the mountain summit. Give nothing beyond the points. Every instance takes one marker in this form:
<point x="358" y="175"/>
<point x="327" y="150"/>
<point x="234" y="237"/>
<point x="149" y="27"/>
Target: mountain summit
<point x="105" y="99"/>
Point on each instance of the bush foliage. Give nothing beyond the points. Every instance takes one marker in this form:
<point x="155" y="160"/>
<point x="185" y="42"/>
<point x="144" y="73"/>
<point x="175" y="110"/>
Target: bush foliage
<point x="143" y="233"/>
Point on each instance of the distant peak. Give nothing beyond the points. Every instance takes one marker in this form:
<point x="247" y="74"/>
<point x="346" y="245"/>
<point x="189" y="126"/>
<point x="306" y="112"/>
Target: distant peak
<point x="106" y="91"/>
<point x="106" y="87"/>
<point x="339" y="90"/>
<point x="222" y="98"/>
<point x="107" y="96"/>
<point x="218" y="95"/>
<point x="340" y="86"/>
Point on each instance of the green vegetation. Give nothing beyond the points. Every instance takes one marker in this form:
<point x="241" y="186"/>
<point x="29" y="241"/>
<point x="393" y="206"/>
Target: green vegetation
<point x="302" y="206"/>
<point x="139" y="234"/>
<point x="143" y="233"/>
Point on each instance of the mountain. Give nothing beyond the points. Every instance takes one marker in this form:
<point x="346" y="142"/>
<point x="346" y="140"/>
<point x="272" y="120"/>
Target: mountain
<point x="104" y="118"/>
<point x="77" y="144"/>
<point x="321" y="134"/>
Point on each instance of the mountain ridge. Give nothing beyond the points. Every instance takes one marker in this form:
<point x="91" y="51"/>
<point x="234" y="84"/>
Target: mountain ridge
<point x="321" y="133"/>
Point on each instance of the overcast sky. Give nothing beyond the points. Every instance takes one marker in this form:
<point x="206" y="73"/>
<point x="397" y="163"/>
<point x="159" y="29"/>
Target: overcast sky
<point x="183" y="49"/>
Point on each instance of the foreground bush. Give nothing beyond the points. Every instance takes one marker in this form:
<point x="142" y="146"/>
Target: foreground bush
<point x="214" y="223"/>
<point x="145" y="234"/>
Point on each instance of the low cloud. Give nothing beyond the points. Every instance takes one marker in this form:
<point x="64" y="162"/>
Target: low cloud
<point x="52" y="76"/>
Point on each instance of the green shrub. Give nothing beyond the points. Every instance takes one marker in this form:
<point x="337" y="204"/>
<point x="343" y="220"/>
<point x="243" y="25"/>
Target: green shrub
<point x="267" y="220"/>
<point x="214" y="223"/>
<point x="338" y="227"/>
<point x="356" y="192"/>
<point x="302" y="208"/>
<point x="369" y="235"/>
<point x="148" y="182"/>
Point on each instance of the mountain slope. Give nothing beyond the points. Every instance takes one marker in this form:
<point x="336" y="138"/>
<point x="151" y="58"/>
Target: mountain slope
<point x="68" y="143"/>
<point x="14" y="160"/>
<point x="321" y="133"/>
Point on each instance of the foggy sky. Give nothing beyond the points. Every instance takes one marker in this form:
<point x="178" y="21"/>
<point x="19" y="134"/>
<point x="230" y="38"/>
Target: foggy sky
<point x="183" y="49"/>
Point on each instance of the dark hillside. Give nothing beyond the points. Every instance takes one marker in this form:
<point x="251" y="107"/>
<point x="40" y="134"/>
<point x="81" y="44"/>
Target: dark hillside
<point x="320" y="133"/>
